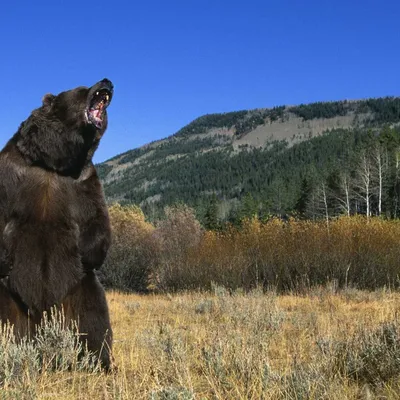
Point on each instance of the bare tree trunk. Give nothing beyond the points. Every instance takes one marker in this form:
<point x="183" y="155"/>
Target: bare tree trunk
<point x="325" y="200"/>
<point x="380" y="179"/>
<point x="380" y="170"/>
<point x="318" y="205"/>
<point x="364" y="181"/>
<point x="347" y="193"/>
<point x="344" y="196"/>
<point x="396" y="199"/>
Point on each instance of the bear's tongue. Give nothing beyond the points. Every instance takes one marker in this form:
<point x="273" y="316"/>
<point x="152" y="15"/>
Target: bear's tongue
<point x="96" y="115"/>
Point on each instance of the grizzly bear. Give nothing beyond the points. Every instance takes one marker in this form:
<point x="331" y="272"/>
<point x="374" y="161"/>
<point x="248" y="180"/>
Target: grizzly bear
<point x="53" y="217"/>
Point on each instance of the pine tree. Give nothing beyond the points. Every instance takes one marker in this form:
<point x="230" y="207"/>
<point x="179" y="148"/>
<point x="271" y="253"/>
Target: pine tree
<point x="248" y="208"/>
<point x="211" y="220"/>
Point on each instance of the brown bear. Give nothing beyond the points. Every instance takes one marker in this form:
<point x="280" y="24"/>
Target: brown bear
<point x="54" y="224"/>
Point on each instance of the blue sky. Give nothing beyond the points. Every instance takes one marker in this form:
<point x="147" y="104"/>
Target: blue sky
<point x="172" y="61"/>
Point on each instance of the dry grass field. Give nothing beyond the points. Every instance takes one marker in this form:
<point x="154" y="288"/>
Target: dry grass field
<point x="323" y="345"/>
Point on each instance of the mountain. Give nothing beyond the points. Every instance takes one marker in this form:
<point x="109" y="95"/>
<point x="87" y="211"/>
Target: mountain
<point x="264" y="161"/>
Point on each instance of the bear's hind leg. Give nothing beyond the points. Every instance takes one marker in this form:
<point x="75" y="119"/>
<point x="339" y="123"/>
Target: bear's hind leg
<point x="88" y="306"/>
<point x="13" y="311"/>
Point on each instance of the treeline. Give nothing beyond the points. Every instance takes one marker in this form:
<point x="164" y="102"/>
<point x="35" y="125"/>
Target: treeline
<point x="209" y="121"/>
<point x="177" y="254"/>
<point x="324" y="109"/>
<point x="241" y="121"/>
<point x="381" y="110"/>
<point x="384" y="110"/>
<point x="341" y="172"/>
<point x="258" y="117"/>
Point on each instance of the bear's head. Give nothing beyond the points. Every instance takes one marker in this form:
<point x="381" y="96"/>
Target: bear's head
<point x="63" y="134"/>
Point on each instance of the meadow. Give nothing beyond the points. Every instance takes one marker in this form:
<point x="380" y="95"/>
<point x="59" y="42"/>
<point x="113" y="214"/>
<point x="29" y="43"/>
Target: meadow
<point x="268" y="310"/>
<point x="327" y="344"/>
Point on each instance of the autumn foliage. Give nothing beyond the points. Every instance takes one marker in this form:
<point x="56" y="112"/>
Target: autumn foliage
<point x="129" y="261"/>
<point x="177" y="254"/>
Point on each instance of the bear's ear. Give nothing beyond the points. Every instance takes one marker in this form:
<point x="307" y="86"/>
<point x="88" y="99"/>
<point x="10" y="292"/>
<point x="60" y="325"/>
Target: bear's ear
<point x="48" y="99"/>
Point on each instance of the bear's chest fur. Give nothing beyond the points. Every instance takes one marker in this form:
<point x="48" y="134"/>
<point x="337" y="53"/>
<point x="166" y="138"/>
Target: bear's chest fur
<point x="42" y="239"/>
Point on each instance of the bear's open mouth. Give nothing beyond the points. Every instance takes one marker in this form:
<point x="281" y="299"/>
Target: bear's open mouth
<point x="97" y="107"/>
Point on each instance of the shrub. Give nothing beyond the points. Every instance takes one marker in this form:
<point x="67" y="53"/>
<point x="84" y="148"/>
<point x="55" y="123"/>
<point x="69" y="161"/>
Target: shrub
<point x="371" y="357"/>
<point x="130" y="257"/>
<point x="55" y="347"/>
<point x="288" y="256"/>
<point x="172" y="393"/>
<point x="177" y="236"/>
<point x="58" y="346"/>
<point x="295" y="255"/>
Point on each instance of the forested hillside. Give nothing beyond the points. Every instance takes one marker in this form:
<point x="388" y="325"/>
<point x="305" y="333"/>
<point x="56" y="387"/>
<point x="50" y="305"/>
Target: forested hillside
<point x="315" y="161"/>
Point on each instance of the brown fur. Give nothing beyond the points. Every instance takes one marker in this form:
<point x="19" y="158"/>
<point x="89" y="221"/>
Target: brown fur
<point x="54" y="221"/>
